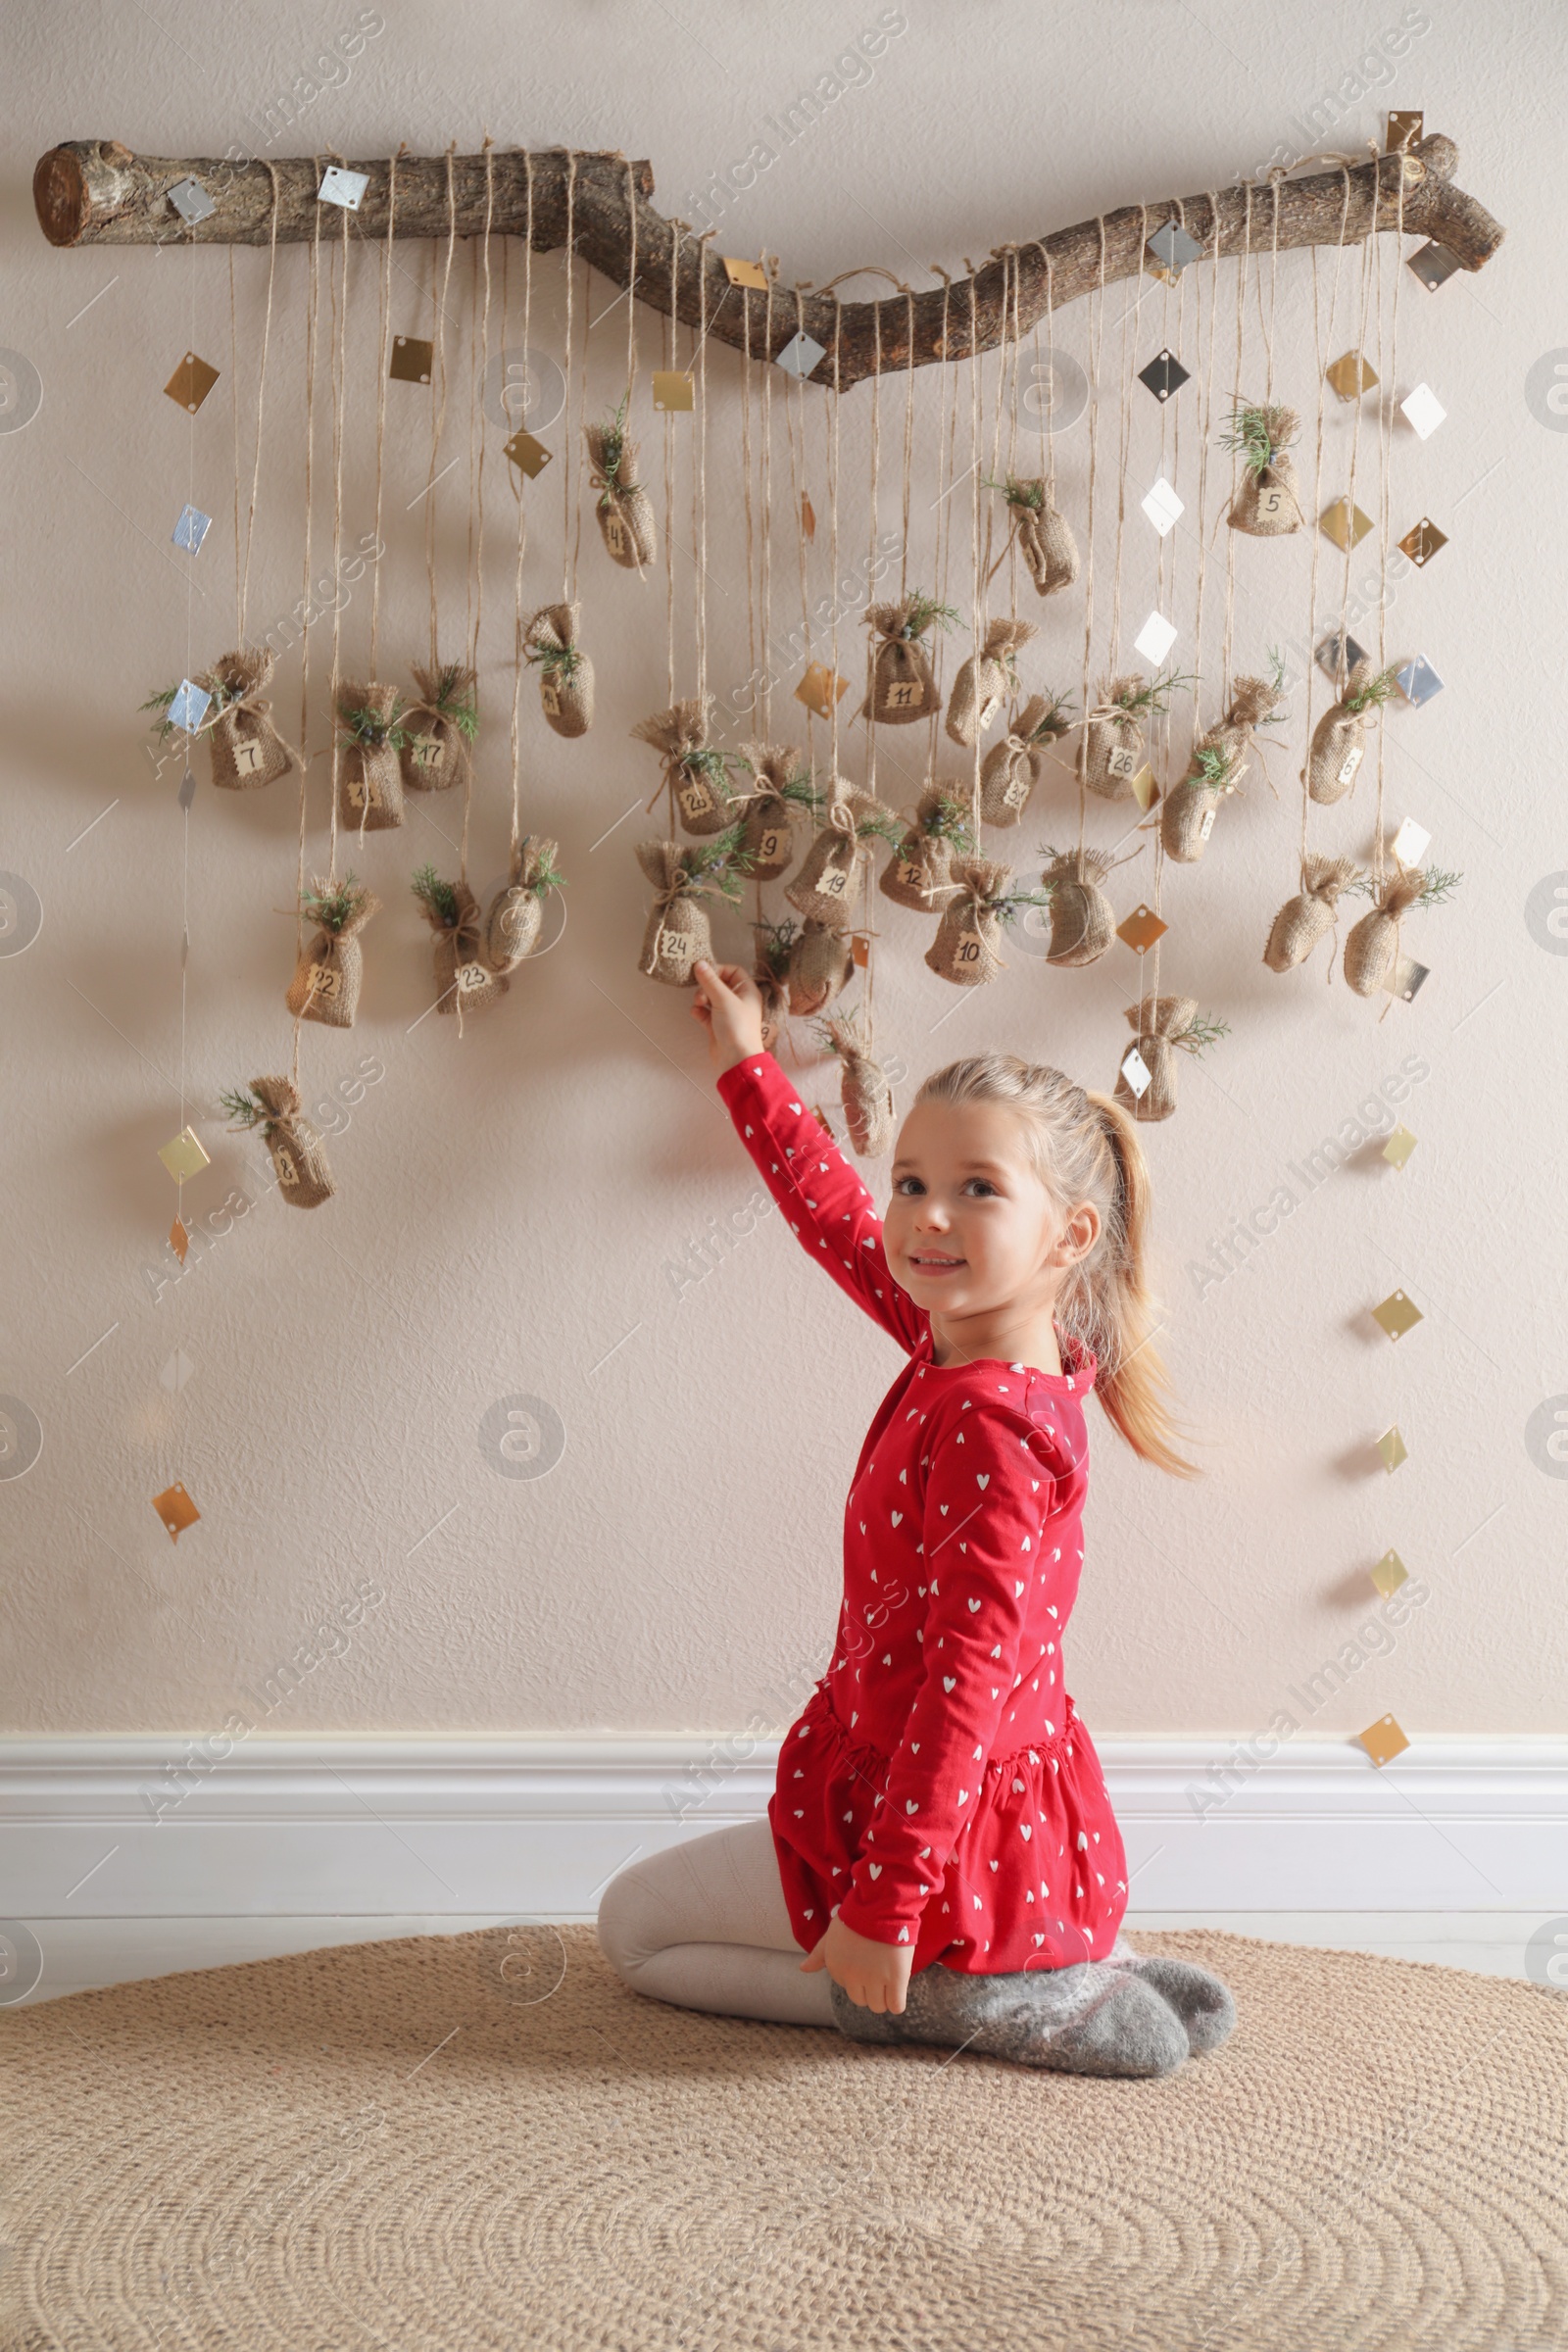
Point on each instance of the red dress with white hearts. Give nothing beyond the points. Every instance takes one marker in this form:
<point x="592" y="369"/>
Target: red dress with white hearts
<point x="939" y="1788"/>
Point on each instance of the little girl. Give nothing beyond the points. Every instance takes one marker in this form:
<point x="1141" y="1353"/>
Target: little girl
<point x="939" y="1841"/>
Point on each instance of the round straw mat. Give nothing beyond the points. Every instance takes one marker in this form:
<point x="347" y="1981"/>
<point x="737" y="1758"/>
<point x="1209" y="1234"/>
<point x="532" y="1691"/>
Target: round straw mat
<point x="488" y="2141"/>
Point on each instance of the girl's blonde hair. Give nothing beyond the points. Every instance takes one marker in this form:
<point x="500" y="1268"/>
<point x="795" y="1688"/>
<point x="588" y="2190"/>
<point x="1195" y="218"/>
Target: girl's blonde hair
<point x="1085" y="1147"/>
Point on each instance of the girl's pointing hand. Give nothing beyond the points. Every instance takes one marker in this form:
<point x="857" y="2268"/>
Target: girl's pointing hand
<point x="729" y="1004"/>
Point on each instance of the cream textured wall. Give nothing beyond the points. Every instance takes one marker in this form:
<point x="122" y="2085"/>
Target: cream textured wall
<point x="511" y="1205"/>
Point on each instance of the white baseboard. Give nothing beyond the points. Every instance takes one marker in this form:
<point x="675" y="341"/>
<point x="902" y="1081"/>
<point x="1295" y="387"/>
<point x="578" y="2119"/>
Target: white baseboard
<point x="98" y="1827"/>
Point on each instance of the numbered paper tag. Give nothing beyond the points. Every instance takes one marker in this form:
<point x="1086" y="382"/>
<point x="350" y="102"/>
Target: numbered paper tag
<point x="428" y="750"/>
<point x="774" y="844"/>
<point x="247" y="755"/>
<point x="971" y="947"/>
<point x="472" y="976"/>
<point x="833" y="883"/>
<point x="548" y="695"/>
<point x="1121" y="763"/>
<point x="1134" y="1069"/>
<point x="1017" y="788"/>
<point x="678" y="946"/>
<point x="284" y="1162"/>
<point x="1271" y="502"/>
<point x="1207" y="822"/>
<point x="987" y="711"/>
<point x="904" y="694"/>
<point x="1352" y="761"/>
<point x="696" y="799"/>
<point x="614" y="534"/>
<point x="912" y="876"/>
<point x="325" y="979"/>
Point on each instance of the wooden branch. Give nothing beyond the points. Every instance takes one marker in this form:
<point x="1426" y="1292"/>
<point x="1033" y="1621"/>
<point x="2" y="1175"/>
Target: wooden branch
<point x="97" y="192"/>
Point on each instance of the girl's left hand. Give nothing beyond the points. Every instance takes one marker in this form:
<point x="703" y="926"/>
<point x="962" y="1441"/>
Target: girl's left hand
<point x="875" y="1976"/>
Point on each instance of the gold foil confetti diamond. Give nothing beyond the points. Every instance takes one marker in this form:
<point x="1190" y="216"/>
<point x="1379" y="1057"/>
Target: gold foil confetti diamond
<point x="1398" y="1147"/>
<point x="1423" y="540"/>
<point x="1146" y="792"/>
<point x="1397" y="1313"/>
<point x="1389" y="1573"/>
<point x="1392" y="1449"/>
<point x="672" y="391"/>
<point x="411" y="359"/>
<point x="1141" y="929"/>
<point x="1351" y="376"/>
<point x="1383" y="1739"/>
<point x="1402" y="129"/>
<point x="175" y="1509"/>
<point x="1344" y="523"/>
<point x="743" y="273"/>
<point x="180" y="1240"/>
<point x="183" y="1156"/>
<point x="529" y="456"/>
<point x="191" y="382"/>
<point x="820" y="688"/>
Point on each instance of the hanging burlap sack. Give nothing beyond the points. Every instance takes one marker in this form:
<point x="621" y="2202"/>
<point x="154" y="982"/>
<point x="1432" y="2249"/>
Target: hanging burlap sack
<point x="1302" y="920"/>
<point x="967" y="947"/>
<point x="867" y="1094"/>
<point x="821" y="960"/>
<point x="1159" y="1026"/>
<point x="903" y="687"/>
<point x="439" y="728"/>
<point x="782" y="782"/>
<point x="1188" y="812"/>
<point x="625" y="509"/>
<point x="1082" y="922"/>
<point x="1253" y="704"/>
<point x="566" y="674"/>
<point x="677" y="933"/>
<point x="704" y="798"/>
<point x="919" y="874"/>
<point x="1045" y="542"/>
<point x="771" y="972"/>
<point x="246" y="748"/>
<point x="517" y="912"/>
<point x="1372" y="945"/>
<point x="1268" y="501"/>
<point x="1012" y="768"/>
<point x="304" y="1179"/>
<point x="831" y="871"/>
<point x="463" y="980"/>
<point x="328" y="974"/>
<point x="371" y="783"/>
<point x="1338" y="739"/>
<point x="981" y="686"/>
<point x="1113" y="737"/>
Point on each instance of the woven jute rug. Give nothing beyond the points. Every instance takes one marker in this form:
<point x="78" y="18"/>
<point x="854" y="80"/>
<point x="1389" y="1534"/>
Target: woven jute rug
<point x="488" y="2141"/>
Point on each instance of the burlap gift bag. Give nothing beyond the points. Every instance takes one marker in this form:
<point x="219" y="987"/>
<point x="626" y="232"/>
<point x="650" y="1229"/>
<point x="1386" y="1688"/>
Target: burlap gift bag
<point x="566" y="674"/>
<point x="770" y="970"/>
<point x="245" y="746"/>
<point x="781" y="783"/>
<point x="1082" y="922"/>
<point x="299" y="1162"/>
<point x="328" y="974"/>
<point x="968" y="941"/>
<point x="517" y="912"/>
<point x="1112" y="750"/>
<point x="1045" y="542"/>
<point x="821" y="960"/>
<point x="903" y="686"/>
<point x="919" y="874"/>
<point x="983" y="683"/>
<point x="1267" y="502"/>
<point x="1012" y="768"/>
<point x="464" y="980"/>
<point x="623" y="506"/>
<point x="439" y="728"/>
<point x="1372" y="945"/>
<point x="1338" y="739"/>
<point x="832" y="868"/>
<point x="1189" y="810"/>
<point x="1302" y="920"/>
<point x="677" y="933"/>
<point x="1255" y="702"/>
<point x="1159" y="1025"/>
<point x="865" y="1093"/>
<point x="696" y="772"/>
<point x="370" y="781"/>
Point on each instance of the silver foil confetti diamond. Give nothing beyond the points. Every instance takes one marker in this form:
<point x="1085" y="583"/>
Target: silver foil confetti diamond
<point x="191" y="201"/>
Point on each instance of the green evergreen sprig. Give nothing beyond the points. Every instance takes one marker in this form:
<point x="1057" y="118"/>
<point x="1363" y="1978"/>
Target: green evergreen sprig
<point x="1027" y="492"/>
<point x="925" y="612"/>
<point x="1056" y="723"/>
<point x="1377" y="689"/>
<point x="440" y="897"/>
<point x="949" y="821"/>
<point x="718" y="863"/>
<point x="558" y="660"/>
<point x="547" y="877"/>
<point x="464" y="715"/>
<point x="1204" y="1033"/>
<point x="244" y="1109"/>
<point x="371" y="730"/>
<point x="1249" y="433"/>
<point x="331" y="905"/>
<point x="1154" y="694"/>
<point x="614" y="452"/>
<point x="1440" y="884"/>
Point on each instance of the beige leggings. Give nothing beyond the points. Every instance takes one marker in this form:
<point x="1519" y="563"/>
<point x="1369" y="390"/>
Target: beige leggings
<point x="703" y="1924"/>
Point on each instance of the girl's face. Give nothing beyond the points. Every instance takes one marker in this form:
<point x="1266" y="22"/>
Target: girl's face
<point x="971" y="1226"/>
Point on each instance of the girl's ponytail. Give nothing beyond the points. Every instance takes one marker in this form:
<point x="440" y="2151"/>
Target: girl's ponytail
<point x="1132" y="1384"/>
<point x="1085" y="1147"/>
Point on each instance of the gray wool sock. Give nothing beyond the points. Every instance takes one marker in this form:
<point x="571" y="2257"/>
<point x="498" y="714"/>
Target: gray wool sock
<point x="1083" y="2020"/>
<point x="1201" y="2000"/>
